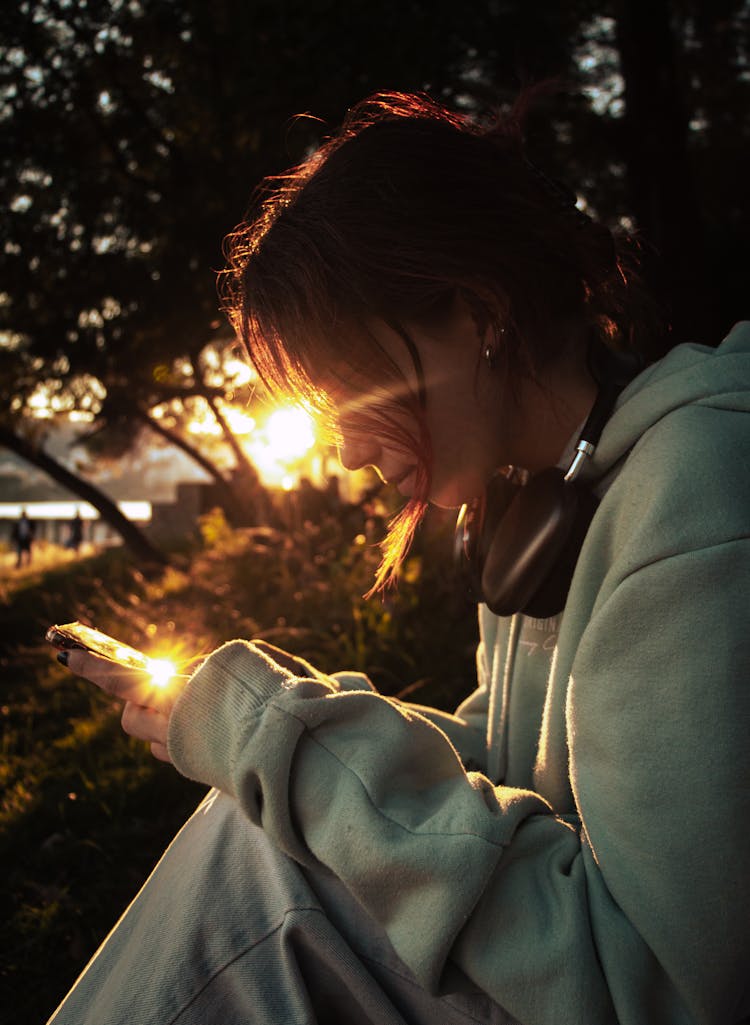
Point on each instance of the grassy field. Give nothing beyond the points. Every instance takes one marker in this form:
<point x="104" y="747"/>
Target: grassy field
<point x="85" y="810"/>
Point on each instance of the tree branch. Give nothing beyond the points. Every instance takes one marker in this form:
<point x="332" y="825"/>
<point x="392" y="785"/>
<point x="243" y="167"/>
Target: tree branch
<point x="133" y="537"/>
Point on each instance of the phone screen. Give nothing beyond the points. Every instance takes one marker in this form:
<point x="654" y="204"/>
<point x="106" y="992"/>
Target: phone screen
<point x="77" y="635"/>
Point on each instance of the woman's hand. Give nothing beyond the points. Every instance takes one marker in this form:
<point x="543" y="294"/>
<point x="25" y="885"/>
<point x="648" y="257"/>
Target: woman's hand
<point x="148" y="706"/>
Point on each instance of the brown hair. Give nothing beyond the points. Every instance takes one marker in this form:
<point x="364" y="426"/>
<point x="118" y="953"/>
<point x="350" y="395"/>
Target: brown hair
<point x="405" y="206"/>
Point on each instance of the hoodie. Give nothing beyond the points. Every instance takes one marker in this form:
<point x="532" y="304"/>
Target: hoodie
<point x="590" y="865"/>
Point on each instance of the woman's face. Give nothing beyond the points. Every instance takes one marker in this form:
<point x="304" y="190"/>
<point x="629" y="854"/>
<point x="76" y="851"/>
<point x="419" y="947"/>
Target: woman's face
<point x="474" y="424"/>
<point x="460" y="413"/>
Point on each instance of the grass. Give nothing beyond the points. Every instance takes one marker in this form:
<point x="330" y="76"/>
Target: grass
<point x="86" y="811"/>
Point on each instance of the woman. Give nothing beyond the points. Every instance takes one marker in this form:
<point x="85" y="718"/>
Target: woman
<point x="572" y="845"/>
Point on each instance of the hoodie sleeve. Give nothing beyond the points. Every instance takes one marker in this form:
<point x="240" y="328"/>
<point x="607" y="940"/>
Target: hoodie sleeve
<point x="467" y="727"/>
<point x="466" y="731"/>
<point x="376" y="792"/>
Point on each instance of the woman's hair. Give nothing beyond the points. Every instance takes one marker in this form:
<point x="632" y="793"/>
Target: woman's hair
<point x="406" y="207"/>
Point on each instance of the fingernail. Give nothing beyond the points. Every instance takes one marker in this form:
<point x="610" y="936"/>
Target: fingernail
<point x="63" y="656"/>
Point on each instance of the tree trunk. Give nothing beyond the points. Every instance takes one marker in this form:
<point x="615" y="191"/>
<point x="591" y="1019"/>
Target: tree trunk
<point x="243" y="462"/>
<point x="254" y="499"/>
<point x="134" y="538"/>
<point x="231" y="501"/>
<point x="659" y="165"/>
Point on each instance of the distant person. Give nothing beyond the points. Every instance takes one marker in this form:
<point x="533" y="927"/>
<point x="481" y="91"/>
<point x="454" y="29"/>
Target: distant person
<point x="23" y="539"/>
<point x="572" y="846"/>
<point x="75" y="537"/>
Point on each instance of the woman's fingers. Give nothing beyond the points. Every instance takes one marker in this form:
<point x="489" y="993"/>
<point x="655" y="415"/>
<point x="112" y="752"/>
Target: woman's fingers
<point x="149" y="725"/>
<point x="145" y="724"/>
<point x="122" y="682"/>
<point x="147" y="704"/>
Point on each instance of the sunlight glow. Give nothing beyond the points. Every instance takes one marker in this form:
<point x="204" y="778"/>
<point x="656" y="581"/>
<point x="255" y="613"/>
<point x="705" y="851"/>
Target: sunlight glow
<point x="136" y="510"/>
<point x="239" y="423"/>
<point x="205" y="423"/>
<point x="279" y="446"/>
<point x="290" y="433"/>
<point x="239" y="371"/>
<point x="161" y="671"/>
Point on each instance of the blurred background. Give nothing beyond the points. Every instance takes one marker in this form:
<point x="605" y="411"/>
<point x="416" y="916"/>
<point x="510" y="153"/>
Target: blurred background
<point x="172" y="503"/>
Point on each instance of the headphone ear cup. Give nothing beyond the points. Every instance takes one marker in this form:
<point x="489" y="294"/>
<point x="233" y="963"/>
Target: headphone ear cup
<point x="527" y="543"/>
<point x="552" y="593"/>
<point x="476" y="526"/>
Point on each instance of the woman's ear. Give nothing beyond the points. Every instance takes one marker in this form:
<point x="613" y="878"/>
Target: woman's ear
<point x="489" y="314"/>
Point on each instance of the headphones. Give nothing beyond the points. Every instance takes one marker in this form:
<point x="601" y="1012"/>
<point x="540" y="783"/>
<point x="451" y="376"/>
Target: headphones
<point x="518" y="543"/>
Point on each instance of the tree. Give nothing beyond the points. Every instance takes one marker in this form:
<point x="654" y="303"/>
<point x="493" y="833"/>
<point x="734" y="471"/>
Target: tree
<point x="678" y="120"/>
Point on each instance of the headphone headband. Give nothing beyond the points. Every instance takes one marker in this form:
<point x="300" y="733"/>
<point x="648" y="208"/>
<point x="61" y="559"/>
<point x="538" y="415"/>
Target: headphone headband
<point x="519" y="541"/>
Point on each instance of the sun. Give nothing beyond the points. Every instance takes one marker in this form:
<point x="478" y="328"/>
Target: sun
<point x="279" y="445"/>
<point x="289" y="433"/>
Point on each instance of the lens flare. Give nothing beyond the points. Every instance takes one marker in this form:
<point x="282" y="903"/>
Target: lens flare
<point x="161" y="671"/>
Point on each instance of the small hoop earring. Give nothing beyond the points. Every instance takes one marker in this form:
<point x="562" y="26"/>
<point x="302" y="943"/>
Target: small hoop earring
<point x="490" y="355"/>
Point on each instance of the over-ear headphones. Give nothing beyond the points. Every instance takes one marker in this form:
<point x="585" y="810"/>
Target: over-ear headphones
<point x="519" y="542"/>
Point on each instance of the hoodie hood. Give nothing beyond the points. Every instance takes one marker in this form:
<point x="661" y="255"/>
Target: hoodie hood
<point x="689" y="374"/>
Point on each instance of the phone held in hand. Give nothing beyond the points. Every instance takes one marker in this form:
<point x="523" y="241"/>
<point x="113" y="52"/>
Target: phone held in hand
<point x="77" y="635"/>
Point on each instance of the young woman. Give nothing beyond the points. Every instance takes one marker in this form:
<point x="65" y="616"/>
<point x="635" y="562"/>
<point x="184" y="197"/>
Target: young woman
<point x="571" y="847"/>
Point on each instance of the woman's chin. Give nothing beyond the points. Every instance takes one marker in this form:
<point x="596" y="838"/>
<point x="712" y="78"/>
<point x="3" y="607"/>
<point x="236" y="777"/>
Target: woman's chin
<point x="407" y="485"/>
<point x="456" y="494"/>
<point x="446" y="495"/>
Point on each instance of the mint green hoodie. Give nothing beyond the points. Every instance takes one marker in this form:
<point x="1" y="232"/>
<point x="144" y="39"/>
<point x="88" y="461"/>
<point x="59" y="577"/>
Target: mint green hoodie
<point x="595" y="869"/>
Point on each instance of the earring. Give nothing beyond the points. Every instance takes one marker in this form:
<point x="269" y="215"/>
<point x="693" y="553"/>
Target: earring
<point x="490" y="351"/>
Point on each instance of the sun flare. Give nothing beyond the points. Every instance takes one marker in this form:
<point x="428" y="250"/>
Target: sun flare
<point x="279" y="444"/>
<point x="161" y="671"/>
<point x="290" y="434"/>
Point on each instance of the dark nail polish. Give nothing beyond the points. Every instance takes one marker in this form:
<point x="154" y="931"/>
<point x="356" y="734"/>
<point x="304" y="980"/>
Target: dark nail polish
<point x="62" y="657"/>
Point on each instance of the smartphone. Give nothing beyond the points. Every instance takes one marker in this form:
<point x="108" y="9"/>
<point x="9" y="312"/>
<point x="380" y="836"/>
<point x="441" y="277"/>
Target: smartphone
<point x="76" y="635"/>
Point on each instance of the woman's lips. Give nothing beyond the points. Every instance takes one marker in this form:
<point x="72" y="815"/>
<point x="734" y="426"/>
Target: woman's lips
<point x="397" y="478"/>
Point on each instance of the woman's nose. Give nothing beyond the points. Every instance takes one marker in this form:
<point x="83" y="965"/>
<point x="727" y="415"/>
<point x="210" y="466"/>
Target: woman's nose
<point x="356" y="452"/>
